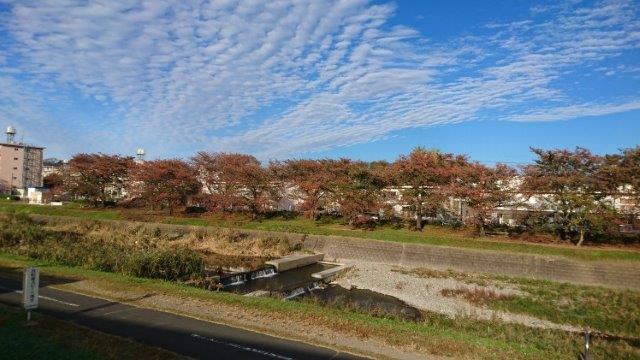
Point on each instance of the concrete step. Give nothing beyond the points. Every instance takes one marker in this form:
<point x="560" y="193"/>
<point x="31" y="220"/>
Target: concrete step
<point x="294" y="261"/>
<point x="330" y="274"/>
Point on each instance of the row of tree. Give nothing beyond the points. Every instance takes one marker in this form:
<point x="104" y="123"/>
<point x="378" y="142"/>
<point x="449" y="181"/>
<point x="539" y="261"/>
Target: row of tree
<point x="576" y="187"/>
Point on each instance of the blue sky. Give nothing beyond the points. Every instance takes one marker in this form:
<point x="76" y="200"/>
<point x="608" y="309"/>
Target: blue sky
<point x="363" y="79"/>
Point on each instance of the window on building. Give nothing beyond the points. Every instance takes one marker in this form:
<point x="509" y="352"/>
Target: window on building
<point x="15" y="168"/>
<point x="16" y="159"/>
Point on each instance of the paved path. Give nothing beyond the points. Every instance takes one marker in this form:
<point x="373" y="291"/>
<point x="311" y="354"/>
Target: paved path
<point x="183" y="335"/>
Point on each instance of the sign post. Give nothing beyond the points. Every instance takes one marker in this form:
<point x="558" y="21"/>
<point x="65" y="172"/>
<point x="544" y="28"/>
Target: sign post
<point x="30" y="286"/>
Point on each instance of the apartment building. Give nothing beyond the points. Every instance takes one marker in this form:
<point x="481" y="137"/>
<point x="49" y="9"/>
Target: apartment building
<point x="20" y="164"/>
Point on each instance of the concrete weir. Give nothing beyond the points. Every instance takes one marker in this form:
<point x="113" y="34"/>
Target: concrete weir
<point x="287" y="277"/>
<point x="330" y="274"/>
<point x="294" y="261"/>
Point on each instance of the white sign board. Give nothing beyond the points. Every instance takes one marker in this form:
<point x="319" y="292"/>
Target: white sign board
<point x="30" y="286"/>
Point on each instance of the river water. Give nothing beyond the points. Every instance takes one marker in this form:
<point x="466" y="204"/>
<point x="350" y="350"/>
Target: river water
<point x="297" y="284"/>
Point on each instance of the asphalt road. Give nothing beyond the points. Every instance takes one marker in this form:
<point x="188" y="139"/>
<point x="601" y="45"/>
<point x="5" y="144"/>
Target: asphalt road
<point x="183" y="335"/>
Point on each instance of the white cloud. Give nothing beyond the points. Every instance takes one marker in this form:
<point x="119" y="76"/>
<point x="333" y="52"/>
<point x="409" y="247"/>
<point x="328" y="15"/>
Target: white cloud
<point x="576" y="111"/>
<point x="284" y="77"/>
<point x="24" y="110"/>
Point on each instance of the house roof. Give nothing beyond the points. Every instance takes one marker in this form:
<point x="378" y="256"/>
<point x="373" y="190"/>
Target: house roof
<point x="22" y="145"/>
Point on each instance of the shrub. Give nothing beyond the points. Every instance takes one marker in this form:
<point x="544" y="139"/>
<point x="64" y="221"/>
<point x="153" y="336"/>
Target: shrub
<point x="104" y="251"/>
<point x="168" y="264"/>
<point x="195" y="210"/>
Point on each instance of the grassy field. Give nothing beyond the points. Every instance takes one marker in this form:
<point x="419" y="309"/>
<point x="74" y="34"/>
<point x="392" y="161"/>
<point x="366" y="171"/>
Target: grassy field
<point x="432" y="235"/>
<point x="52" y="339"/>
<point x="435" y="334"/>
<point x="611" y="311"/>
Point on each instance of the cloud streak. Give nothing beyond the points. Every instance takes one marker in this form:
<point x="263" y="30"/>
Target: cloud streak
<point x="278" y="78"/>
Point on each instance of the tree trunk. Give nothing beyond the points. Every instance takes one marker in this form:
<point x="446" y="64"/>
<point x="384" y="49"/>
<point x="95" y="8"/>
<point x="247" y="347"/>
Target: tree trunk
<point x="581" y="237"/>
<point x="419" y="217"/>
<point x="480" y="225"/>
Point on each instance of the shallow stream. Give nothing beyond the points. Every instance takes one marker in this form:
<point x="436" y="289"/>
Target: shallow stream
<point x="299" y="285"/>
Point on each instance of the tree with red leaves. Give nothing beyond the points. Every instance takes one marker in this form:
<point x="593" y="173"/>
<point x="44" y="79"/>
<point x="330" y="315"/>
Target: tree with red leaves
<point x="97" y="178"/>
<point x="359" y="186"/>
<point x="234" y="181"/>
<point x="571" y="184"/>
<point x="55" y="183"/>
<point x="164" y="184"/>
<point x="484" y="189"/>
<point x="314" y="181"/>
<point x="425" y="179"/>
<point x="629" y="176"/>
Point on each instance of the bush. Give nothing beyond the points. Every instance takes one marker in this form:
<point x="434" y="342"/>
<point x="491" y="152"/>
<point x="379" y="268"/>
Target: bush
<point x="168" y="264"/>
<point x="17" y="227"/>
<point x="363" y="221"/>
<point x="328" y="218"/>
<point x="142" y="258"/>
<point x="195" y="210"/>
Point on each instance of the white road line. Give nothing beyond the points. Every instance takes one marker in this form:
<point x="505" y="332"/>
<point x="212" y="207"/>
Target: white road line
<point x="43" y="297"/>
<point x="58" y="301"/>
<point x="242" y="347"/>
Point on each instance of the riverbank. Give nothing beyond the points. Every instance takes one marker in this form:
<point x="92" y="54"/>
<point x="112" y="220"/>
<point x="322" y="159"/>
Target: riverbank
<point x="436" y="335"/>
<point x="432" y="235"/>
<point x="259" y="243"/>
<point x="533" y="303"/>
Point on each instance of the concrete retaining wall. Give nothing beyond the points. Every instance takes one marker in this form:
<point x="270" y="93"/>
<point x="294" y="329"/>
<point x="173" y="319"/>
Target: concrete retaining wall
<point x="557" y="268"/>
<point x="605" y="273"/>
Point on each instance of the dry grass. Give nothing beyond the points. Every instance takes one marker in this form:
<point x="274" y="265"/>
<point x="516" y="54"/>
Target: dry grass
<point x="428" y="273"/>
<point x="236" y="243"/>
<point x="130" y="251"/>
<point x="218" y="247"/>
<point x="476" y="296"/>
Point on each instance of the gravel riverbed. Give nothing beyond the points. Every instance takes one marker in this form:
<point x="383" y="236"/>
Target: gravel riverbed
<point x="425" y="293"/>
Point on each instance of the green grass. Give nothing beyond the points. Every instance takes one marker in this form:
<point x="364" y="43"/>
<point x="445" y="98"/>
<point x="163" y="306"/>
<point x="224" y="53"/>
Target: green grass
<point x="613" y="311"/>
<point x="432" y="235"/>
<point x="50" y="339"/>
<point x="436" y="334"/>
<point x="610" y="311"/>
<point x="67" y="210"/>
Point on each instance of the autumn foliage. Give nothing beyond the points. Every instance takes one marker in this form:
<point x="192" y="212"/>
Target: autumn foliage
<point x="426" y="178"/>
<point x="574" y="190"/>
<point x="163" y="184"/>
<point x="97" y="178"/>
<point x="574" y="187"/>
<point x="484" y="189"/>
<point x="234" y="182"/>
